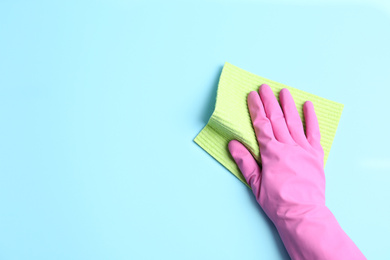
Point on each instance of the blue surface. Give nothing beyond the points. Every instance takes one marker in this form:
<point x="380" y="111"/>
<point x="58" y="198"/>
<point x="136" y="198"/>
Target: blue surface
<point x="100" y="102"/>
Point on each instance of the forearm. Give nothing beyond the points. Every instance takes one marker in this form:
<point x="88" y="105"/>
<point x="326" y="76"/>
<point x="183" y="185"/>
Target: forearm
<point x="315" y="234"/>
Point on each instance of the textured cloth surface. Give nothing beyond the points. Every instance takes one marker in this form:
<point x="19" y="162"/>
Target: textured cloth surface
<point x="231" y="119"/>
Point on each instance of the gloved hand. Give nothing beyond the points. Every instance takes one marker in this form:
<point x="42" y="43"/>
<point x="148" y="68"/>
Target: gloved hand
<point x="290" y="182"/>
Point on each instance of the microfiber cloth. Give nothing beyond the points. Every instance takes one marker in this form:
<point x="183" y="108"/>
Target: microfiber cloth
<point x="231" y="119"/>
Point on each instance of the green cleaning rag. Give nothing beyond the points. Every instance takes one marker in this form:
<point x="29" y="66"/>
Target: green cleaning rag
<point x="231" y="119"/>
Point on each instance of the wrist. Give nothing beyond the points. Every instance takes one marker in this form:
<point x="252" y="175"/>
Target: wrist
<point x="290" y="214"/>
<point x="314" y="233"/>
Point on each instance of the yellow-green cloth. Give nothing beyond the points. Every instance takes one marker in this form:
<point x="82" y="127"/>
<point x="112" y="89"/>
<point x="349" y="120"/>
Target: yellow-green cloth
<point x="231" y="119"/>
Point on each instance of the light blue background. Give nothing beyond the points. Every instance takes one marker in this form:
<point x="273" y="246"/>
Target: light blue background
<point x="100" y="102"/>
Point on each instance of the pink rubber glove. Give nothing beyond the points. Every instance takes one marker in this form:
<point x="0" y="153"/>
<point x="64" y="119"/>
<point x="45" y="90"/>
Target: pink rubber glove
<point x="290" y="183"/>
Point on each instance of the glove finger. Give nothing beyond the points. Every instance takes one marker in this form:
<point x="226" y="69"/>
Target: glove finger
<point x="312" y="128"/>
<point x="261" y="123"/>
<point x="275" y="115"/>
<point x="247" y="165"/>
<point x="293" y="120"/>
